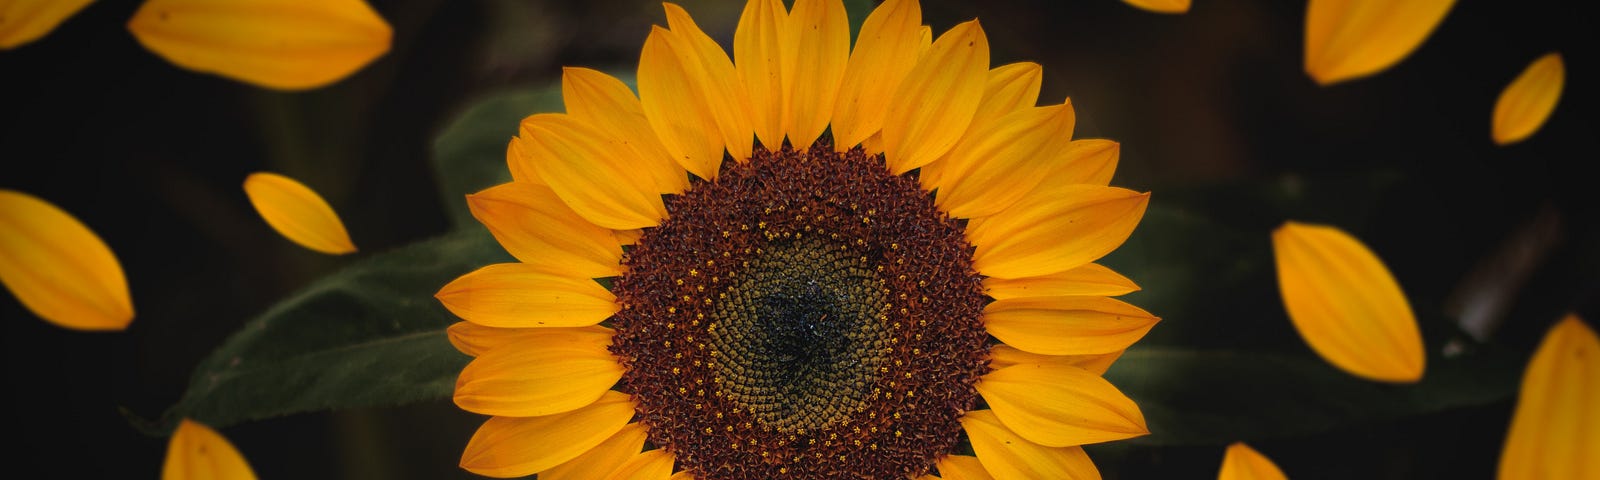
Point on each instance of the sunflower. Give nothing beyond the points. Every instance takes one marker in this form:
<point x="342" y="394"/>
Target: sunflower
<point x="805" y="261"/>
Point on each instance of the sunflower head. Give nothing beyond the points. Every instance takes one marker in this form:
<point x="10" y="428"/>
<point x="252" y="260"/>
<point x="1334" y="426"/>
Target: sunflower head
<point x="805" y="261"/>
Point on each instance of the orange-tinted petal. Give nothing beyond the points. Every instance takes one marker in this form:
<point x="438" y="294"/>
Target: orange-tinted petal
<point x="1347" y="39"/>
<point x="23" y="21"/>
<point x="1067" y="325"/>
<point x="1555" y="430"/>
<point x="1059" y="405"/>
<point x="933" y="106"/>
<point x="820" y="32"/>
<point x="1006" y="455"/>
<point x="997" y="166"/>
<point x="473" y="339"/>
<point x="1161" y="6"/>
<point x="962" y="467"/>
<point x="507" y="447"/>
<point x="1346" y="304"/>
<point x="628" y="237"/>
<point x="1009" y="89"/>
<point x="288" y="45"/>
<point x="58" y="268"/>
<point x="607" y="456"/>
<point x="549" y="371"/>
<point x="716" y="77"/>
<point x="1241" y="462"/>
<point x="1528" y="101"/>
<point x="603" y="101"/>
<point x="1002" y="356"/>
<point x="885" y="51"/>
<point x="1089" y="279"/>
<point x="758" y="55"/>
<point x="298" y="213"/>
<point x="651" y="465"/>
<point x="520" y="161"/>
<point x="196" y="452"/>
<point x="677" y="108"/>
<point x="534" y="225"/>
<point x="1044" y="234"/>
<point x="516" y="295"/>
<point x="603" y="183"/>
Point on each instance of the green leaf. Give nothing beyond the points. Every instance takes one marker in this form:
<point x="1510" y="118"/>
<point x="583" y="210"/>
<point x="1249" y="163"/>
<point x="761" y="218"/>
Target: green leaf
<point x="1215" y="397"/>
<point x="470" y="154"/>
<point x="368" y="335"/>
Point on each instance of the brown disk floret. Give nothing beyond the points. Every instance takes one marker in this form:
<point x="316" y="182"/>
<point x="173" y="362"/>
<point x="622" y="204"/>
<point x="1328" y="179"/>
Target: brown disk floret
<point x="807" y="315"/>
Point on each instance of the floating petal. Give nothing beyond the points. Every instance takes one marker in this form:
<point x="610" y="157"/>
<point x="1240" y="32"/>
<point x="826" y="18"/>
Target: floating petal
<point x="58" y="268"/>
<point x="1528" y="101"/>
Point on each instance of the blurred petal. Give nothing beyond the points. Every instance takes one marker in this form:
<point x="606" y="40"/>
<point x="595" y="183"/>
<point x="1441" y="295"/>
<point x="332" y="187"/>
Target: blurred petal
<point x="515" y="295"/>
<point x="298" y="213"/>
<point x="473" y="339"/>
<point x="1006" y="455"/>
<point x="1161" y="6"/>
<point x="1045" y="234"/>
<point x="607" y="456"/>
<point x="58" y="268"/>
<point x="23" y="21"/>
<point x="962" y="467"/>
<point x="885" y="51"/>
<point x="605" y="102"/>
<point x="1347" y="39"/>
<point x="608" y="186"/>
<point x="1555" y="431"/>
<point x="1528" y="101"/>
<point x="1067" y="325"/>
<point x="1345" y="304"/>
<point x="1244" y="463"/>
<point x="1000" y="164"/>
<point x="196" y="452"/>
<point x="652" y="465"/>
<point x="934" y="104"/>
<point x="669" y="90"/>
<point x="1002" y="356"/>
<point x="758" y="55"/>
<point x="1089" y="279"/>
<point x="517" y="446"/>
<point x="716" y="77"/>
<point x="534" y="225"/>
<point x="290" y="45"/>
<point x="551" y="371"/>
<point x="1059" y="405"/>
<point x="821" y="35"/>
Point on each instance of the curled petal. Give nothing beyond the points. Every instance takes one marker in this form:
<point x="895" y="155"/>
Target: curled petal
<point x="196" y="452"/>
<point x="1555" y="429"/>
<point x="1528" y="101"/>
<point x="1347" y="39"/>
<point x="58" y="268"/>
<point x="298" y="213"/>
<point x="289" y="45"/>
<point x="1346" y="304"/>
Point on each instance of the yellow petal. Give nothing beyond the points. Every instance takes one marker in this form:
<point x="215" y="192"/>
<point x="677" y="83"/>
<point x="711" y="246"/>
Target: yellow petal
<point x="298" y="213"/>
<point x="1244" y="463"/>
<point x="1044" y="234"/>
<point x="652" y="465"/>
<point x="820" y="32"/>
<point x="550" y="371"/>
<point x="628" y="237"/>
<point x="934" y="105"/>
<point x="598" y="178"/>
<point x="1059" y="405"/>
<point x="605" y="457"/>
<point x="1091" y="161"/>
<point x="1348" y="39"/>
<point x="1067" y="325"/>
<point x="1555" y="430"/>
<point x="515" y="295"/>
<point x="758" y="55"/>
<point x="473" y="339"/>
<point x="962" y="467"/>
<point x="1004" y="161"/>
<point x="517" y="446"/>
<point x="1090" y="279"/>
<point x="1161" y="6"/>
<point x="58" y="268"/>
<point x="1345" y="304"/>
<point x="1528" y="101"/>
<point x="1006" y="455"/>
<point x="676" y="106"/>
<point x="1002" y="356"/>
<point x="290" y="45"/>
<point x="1010" y="88"/>
<point x="23" y="21"/>
<point x="534" y="225"/>
<point x="603" y="101"/>
<point x="683" y="475"/>
<point x="520" y="161"/>
<point x="196" y="452"/>
<point x="885" y="51"/>
<point x="716" y="77"/>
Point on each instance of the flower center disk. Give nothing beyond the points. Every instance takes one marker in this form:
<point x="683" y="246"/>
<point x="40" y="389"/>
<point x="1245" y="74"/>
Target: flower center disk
<point x="806" y="315"/>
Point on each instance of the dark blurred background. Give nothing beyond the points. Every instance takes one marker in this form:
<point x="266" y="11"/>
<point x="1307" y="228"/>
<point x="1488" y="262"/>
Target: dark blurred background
<point x="1212" y="108"/>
